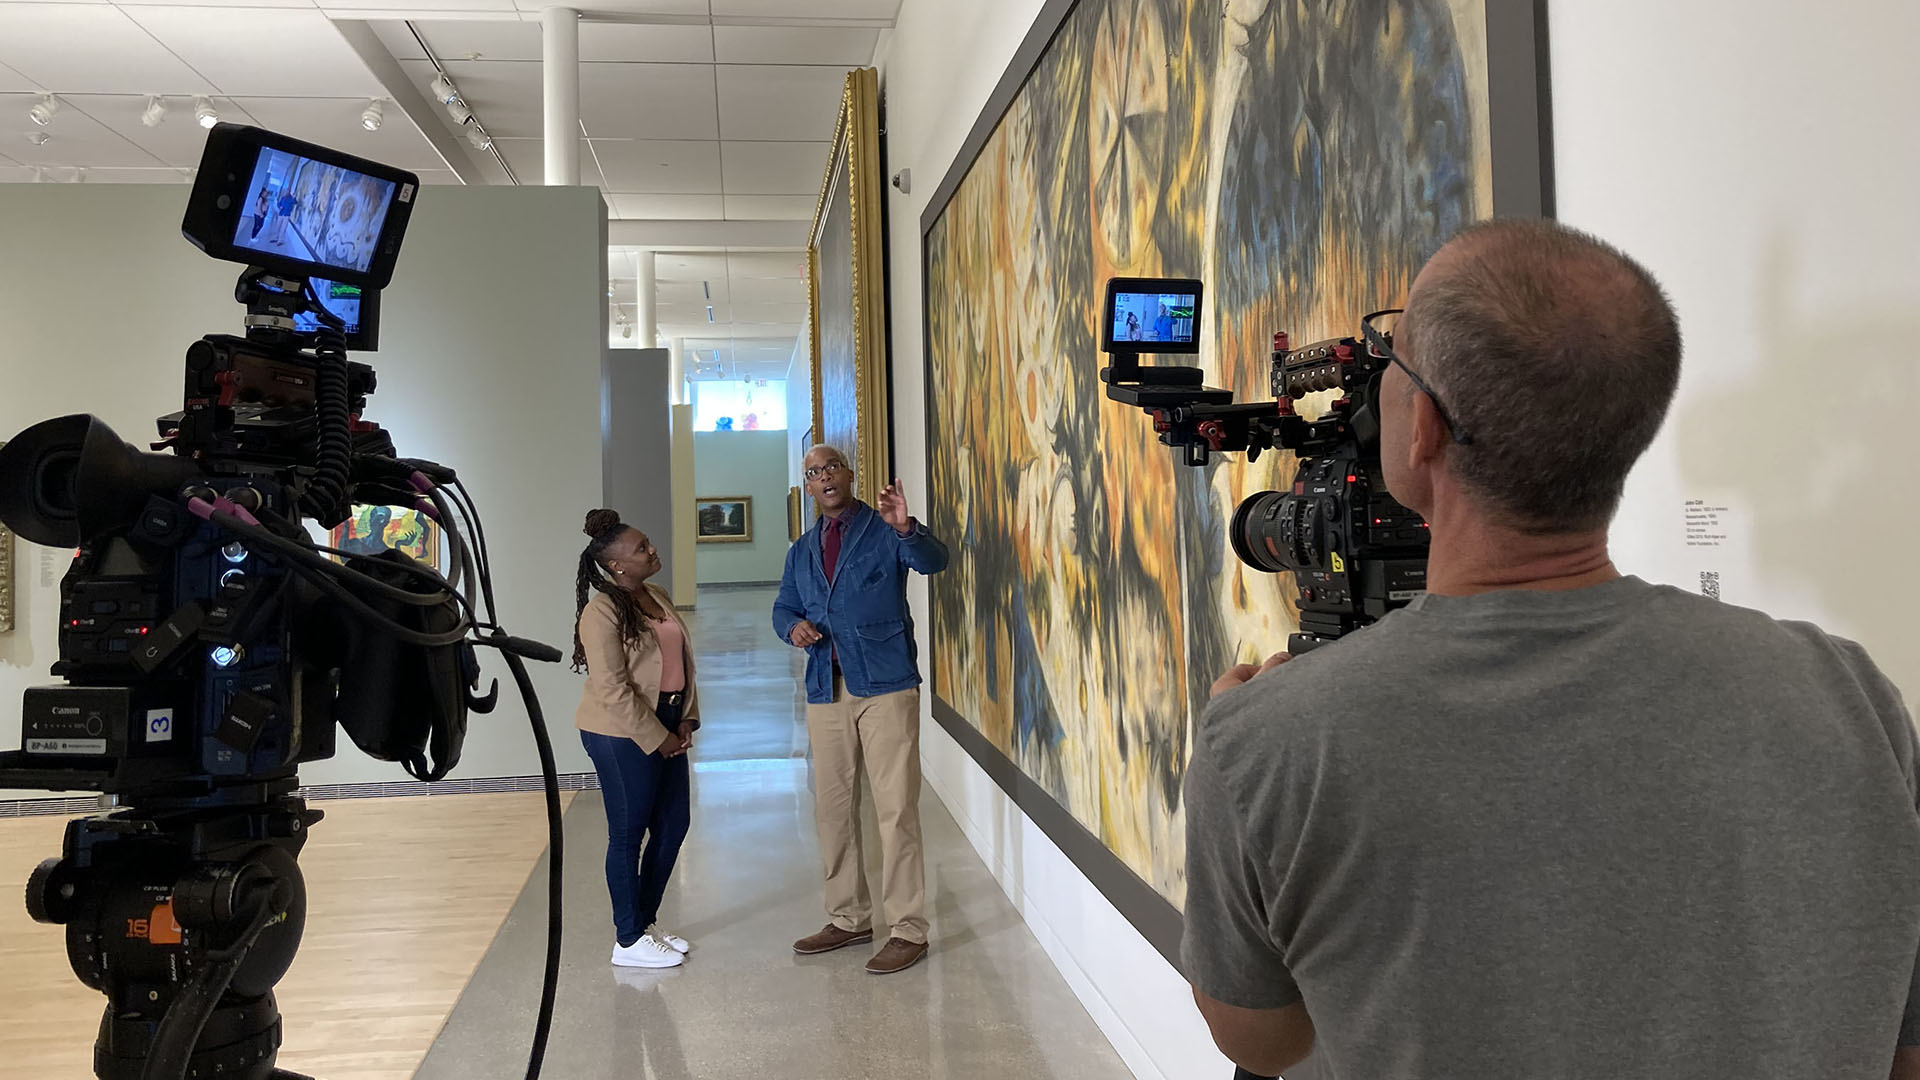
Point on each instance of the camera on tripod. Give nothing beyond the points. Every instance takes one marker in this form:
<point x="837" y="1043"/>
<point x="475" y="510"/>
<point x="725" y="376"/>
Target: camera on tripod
<point x="208" y="647"/>
<point x="1354" y="551"/>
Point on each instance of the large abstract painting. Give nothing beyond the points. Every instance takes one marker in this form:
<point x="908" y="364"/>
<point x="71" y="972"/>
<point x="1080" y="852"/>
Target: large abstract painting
<point x="1303" y="158"/>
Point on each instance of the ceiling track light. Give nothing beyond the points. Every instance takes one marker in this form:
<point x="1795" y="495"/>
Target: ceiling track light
<point x="42" y="111"/>
<point x="155" y="113"/>
<point x="443" y="89"/>
<point x="459" y="111"/>
<point x="372" y="117"/>
<point x="478" y="137"/>
<point x="204" y="112"/>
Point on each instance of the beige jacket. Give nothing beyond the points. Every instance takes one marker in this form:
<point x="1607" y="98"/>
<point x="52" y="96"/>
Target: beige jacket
<point x="623" y="681"/>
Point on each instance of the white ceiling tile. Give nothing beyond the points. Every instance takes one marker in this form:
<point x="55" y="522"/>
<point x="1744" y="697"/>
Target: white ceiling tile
<point x="385" y="11"/>
<point x="830" y="46"/>
<point x="492" y="40"/>
<point x="15" y="174"/>
<point x="262" y="53"/>
<point x="528" y="159"/>
<point x="75" y="139"/>
<point x="12" y="82"/>
<point x="41" y="42"/>
<point x="771" y="207"/>
<point x="140" y="176"/>
<point x="178" y="141"/>
<point x="667" y="207"/>
<point x="767" y="264"/>
<point x="659" y="166"/>
<point x="786" y="103"/>
<point x="769" y="290"/>
<point x="439" y="176"/>
<point x="399" y="40"/>
<point x="686" y="266"/>
<point x="645" y="43"/>
<point x="506" y="96"/>
<point x="405" y="9"/>
<point x="648" y="101"/>
<point x="773" y="168"/>
<point x="811" y="9"/>
<point x="335" y="122"/>
<point x="308" y="4"/>
<point x="630" y="7"/>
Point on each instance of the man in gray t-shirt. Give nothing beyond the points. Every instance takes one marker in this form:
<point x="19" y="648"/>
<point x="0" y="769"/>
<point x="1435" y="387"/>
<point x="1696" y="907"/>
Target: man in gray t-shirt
<point x="1549" y="821"/>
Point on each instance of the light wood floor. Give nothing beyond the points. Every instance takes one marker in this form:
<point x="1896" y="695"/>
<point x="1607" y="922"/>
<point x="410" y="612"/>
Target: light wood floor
<point x="405" y="895"/>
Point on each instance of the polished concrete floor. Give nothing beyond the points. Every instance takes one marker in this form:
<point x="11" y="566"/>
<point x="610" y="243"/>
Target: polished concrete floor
<point x="985" y="1003"/>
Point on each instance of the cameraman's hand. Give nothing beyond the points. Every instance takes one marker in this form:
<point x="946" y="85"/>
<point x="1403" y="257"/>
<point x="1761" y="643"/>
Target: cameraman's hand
<point x="804" y="634"/>
<point x="1241" y="673"/>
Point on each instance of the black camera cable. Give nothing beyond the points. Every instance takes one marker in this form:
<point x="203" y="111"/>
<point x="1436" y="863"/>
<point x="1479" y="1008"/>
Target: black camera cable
<point x="330" y="577"/>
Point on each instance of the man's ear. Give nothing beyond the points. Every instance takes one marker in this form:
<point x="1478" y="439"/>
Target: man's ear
<point x="1427" y="438"/>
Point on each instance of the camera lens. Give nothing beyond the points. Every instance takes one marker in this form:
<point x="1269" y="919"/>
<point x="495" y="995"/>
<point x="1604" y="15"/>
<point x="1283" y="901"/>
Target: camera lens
<point x="1275" y="531"/>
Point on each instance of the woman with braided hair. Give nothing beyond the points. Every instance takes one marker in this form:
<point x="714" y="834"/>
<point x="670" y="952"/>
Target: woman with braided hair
<point x="636" y="718"/>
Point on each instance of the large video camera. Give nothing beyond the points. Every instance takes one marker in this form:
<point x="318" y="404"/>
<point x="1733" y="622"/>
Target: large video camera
<point x="1355" y="553"/>
<point x="208" y="645"/>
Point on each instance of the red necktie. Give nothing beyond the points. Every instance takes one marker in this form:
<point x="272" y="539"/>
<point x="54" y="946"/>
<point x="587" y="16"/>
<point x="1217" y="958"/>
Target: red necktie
<point x="830" y="547"/>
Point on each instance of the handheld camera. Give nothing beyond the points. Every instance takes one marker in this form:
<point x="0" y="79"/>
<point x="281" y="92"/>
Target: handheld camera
<point x="1354" y="551"/>
<point x="208" y="647"/>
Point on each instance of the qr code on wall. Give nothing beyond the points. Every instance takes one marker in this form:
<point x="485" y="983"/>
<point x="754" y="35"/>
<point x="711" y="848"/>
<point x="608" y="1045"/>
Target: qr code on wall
<point x="1710" y="584"/>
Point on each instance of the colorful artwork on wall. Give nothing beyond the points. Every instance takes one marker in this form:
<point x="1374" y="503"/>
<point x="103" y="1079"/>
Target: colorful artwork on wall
<point x="1303" y="159"/>
<point x="373" y="529"/>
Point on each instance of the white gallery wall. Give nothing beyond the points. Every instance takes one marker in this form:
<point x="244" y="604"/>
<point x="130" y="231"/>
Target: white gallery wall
<point x="489" y="362"/>
<point x="1760" y="158"/>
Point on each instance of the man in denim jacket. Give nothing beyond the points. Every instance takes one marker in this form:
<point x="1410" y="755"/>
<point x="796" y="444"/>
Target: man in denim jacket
<point x="843" y="598"/>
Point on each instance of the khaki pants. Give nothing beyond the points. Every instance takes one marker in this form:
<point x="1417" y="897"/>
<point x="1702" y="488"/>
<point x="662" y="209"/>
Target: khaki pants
<point x="885" y="732"/>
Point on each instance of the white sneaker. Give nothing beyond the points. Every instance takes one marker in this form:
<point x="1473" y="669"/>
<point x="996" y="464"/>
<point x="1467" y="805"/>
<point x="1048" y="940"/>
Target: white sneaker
<point x="646" y="953"/>
<point x="672" y="941"/>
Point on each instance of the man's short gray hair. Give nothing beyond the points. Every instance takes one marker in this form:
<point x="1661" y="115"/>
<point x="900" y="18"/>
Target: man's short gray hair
<point x="837" y="452"/>
<point x="1558" y="355"/>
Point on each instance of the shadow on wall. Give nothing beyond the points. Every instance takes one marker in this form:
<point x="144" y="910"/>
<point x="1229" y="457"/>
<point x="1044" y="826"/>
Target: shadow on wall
<point x="1821" y="446"/>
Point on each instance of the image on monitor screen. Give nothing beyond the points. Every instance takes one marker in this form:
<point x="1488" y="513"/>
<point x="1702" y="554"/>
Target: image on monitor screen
<point x="303" y="209"/>
<point x="1153" y="317"/>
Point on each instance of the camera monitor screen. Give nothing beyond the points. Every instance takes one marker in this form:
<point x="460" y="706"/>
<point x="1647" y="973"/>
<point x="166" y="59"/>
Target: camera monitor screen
<point x="1151" y="315"/>
<point x="297" y="209"/>
<point x="358" y="308"/>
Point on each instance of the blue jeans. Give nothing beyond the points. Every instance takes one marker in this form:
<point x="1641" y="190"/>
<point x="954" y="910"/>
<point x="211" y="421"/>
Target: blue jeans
<point x="648" y="798"/>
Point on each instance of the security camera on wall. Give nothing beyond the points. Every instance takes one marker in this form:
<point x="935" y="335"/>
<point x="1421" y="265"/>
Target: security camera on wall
<point x="903" y="180"/>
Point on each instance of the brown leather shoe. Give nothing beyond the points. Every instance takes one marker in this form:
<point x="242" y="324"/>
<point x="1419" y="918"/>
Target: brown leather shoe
<point x="830" y="939"/>
<point x="899" y="954"/>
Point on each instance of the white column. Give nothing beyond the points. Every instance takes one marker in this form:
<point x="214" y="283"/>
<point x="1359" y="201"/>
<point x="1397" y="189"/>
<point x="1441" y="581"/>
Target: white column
<point x="560" y="69"/>
<point x="677" y="371"/>
<point x="647" y="294"/>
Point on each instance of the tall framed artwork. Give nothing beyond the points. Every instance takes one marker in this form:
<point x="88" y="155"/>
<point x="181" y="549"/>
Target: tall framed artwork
<point x="1303" y="159"/>
<point x="847" y="292"/>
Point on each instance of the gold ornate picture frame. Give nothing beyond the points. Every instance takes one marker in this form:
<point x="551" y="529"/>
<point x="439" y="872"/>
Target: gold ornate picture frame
<point x="847" y="290"/>
<point x="723" y="519"/>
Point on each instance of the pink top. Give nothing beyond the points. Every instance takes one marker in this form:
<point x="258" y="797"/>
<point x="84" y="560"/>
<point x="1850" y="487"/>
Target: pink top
<point x="673" y="655"/>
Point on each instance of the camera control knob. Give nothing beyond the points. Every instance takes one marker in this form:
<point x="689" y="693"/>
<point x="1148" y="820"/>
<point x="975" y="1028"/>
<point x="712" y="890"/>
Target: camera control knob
<point x="51" y="892"/>
<point x="95" y="726"/>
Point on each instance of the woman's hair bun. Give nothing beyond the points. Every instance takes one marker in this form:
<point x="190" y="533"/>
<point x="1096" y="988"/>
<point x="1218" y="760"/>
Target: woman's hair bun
<point x="600" y="521"/>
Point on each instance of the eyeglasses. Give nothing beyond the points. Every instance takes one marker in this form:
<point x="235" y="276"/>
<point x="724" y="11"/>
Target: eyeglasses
<point x="815" y="472"/>
<point x="1377" y="340"/>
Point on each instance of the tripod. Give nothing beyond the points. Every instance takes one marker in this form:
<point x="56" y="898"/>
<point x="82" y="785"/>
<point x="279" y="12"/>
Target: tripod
<point x="185" y="913"/>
